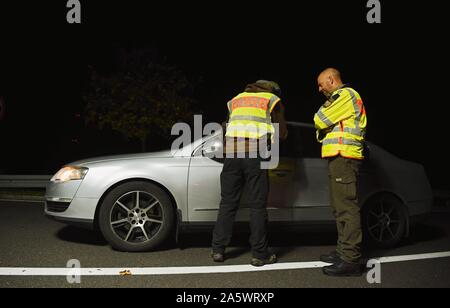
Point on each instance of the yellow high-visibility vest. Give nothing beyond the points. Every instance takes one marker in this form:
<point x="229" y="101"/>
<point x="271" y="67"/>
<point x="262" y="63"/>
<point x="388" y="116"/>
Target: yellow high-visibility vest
<point x="341" y="125"/>
<point x="250" y="115"/>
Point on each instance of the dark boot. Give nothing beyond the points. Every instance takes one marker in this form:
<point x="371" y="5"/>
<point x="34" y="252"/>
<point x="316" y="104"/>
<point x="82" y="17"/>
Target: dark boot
<point x="261" y="262"/>
<point x="218" y="257"/>
<point x="333" y="257"/>
<point x="343" y="269"/>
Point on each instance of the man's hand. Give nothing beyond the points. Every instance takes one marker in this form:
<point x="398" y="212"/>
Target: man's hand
<point x="322" y="133"/>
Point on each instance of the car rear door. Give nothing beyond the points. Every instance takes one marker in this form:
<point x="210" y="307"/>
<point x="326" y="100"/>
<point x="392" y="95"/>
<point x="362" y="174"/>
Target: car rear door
<point x="309" y="194"/>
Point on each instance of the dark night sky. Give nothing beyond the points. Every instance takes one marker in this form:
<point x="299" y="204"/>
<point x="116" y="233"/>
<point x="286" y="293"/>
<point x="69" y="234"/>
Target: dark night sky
<point x="395" y="67"/>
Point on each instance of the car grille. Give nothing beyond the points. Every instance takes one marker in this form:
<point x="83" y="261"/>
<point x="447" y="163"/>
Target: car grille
<point x="55" y="206"/>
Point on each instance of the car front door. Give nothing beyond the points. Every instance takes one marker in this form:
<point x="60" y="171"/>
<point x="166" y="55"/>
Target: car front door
<point x="204" y="187"/>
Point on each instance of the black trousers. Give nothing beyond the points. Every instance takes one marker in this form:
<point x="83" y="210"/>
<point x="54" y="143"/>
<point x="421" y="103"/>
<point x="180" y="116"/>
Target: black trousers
<point x="236" y="173"/>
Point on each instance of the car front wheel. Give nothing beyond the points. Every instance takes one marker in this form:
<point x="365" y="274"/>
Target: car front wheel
<point x="136" y="216"/>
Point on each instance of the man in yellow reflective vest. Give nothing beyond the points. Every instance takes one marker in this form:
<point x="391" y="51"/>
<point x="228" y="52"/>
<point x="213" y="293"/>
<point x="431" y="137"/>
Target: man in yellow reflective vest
<point x="341" y="125"/>
<point x="250" y="128"/>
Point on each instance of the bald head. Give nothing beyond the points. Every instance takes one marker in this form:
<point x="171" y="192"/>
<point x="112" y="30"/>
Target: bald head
<point x="329" y="81"/>
<point x="331" y="73"/>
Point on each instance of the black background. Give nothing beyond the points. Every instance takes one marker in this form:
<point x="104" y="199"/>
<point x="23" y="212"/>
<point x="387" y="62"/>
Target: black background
<point x="398" y="67"/>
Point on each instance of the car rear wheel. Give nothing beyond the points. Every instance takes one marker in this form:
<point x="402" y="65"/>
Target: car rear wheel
<point x="384" y="221"/>
<point x="136" y="216"/>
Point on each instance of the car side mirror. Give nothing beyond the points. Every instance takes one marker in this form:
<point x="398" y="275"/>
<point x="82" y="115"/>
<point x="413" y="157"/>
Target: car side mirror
<point x="214" y="149"/>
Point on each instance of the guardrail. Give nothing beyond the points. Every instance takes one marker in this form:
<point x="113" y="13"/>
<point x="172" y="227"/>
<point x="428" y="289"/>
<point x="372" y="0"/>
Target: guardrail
<point x="24" y="181"/>
<point x="298" y="124"/>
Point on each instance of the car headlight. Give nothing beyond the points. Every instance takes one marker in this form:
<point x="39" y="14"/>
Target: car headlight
<point x="69" y="173"/>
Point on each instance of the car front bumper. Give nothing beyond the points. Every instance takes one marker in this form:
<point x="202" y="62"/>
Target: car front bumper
<point x="62" y="204"/>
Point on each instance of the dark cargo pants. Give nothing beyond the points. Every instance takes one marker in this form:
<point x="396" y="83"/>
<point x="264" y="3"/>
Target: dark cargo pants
<point x="344" y="201"/>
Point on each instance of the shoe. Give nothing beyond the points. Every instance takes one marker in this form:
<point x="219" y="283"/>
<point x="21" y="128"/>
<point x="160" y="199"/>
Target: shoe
<point x="333" y="257"/>
<point x="343" y="269"/>
<point x="260" y="262"/>
<point x="217" y="257"/>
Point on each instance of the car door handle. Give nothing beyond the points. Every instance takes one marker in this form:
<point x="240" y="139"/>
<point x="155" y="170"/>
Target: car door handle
<point x="282" y="173"/>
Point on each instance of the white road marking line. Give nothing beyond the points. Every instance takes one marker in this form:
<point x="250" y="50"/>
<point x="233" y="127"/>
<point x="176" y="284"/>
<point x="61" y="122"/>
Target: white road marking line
<point x="423" y="256"/>
<point x="18" y="271"/>
<point x="53" y="271"/>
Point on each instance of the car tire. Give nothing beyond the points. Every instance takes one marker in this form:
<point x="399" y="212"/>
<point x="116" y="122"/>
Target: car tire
<point x="384" y="221"/>
<point x="136" y="216"/>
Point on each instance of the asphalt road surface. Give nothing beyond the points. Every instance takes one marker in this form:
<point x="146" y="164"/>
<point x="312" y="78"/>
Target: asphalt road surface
<point x="30" y="240"/>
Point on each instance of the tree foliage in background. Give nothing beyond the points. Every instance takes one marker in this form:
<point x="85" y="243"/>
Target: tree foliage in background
<point x="143" y="97"/>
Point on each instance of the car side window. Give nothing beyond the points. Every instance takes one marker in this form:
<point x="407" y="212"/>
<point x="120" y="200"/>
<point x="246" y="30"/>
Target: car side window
<point x="300" y="143"/>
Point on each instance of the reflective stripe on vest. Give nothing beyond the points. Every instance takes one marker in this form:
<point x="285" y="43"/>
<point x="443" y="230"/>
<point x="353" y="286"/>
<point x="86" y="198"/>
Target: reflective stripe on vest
<point x="323" y="118"/>
<point x="345" y="141"/>
<point x="350" y="130"/>
<point x="250" y="118"/>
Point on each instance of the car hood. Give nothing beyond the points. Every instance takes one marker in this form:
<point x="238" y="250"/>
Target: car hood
<point x="161" y="154"/>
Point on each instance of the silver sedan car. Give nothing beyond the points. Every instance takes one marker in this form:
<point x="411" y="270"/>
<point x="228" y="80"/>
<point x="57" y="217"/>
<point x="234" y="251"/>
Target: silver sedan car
<point x="139" y="201"/>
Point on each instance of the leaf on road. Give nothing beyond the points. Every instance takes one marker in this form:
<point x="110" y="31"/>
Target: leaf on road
<point x="125" y="273"/>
